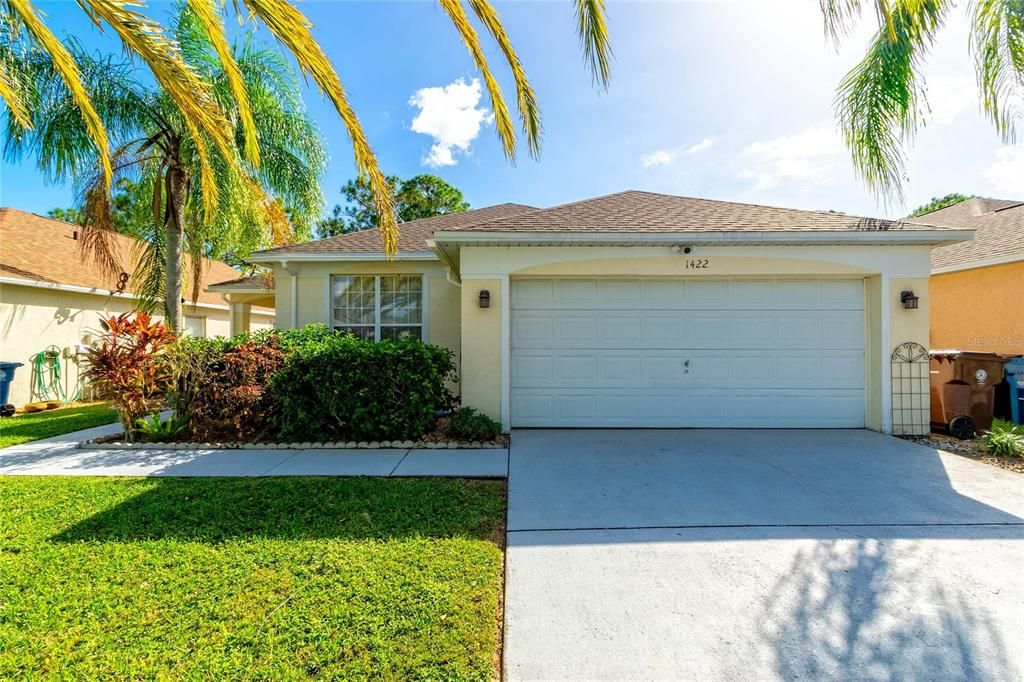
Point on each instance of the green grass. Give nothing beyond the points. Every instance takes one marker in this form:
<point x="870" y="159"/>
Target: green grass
<point x="28" y="427"/>
<point x="272" y="579"/>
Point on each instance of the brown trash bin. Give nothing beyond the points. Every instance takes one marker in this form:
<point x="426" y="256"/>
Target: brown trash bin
<point x="963" y="383"/>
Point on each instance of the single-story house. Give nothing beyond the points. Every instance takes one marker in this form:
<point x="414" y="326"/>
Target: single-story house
<point x="51" y="296"/>
<point x="642" y="310"/>
<point x="978" y="285"/>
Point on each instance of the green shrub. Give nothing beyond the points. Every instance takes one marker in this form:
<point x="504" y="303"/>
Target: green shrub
<point x="220" y="385"/>
<point x="1005" y="439"/>
<point x="335" y="386"/>
<point x="468" y="424"/>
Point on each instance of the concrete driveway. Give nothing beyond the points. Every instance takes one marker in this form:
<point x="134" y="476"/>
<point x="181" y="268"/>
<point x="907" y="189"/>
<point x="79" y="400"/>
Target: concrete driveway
<point x="762" y="555"/>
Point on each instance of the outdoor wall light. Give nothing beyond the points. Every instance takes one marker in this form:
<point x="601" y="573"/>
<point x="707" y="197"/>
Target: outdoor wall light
<point x="908" y="299"/>
<point x="485" y="299"/>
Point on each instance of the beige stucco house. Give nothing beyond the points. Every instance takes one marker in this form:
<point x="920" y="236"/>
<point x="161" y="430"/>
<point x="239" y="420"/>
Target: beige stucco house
<point x="640" y="309"/>
<point x="50" y="295"/>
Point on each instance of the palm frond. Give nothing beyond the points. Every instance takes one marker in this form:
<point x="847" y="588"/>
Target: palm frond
<point x="592" y="29"/>
<point x="66" y="67"/>
<point x="879" y="102"/>
<point x="213" y="24"/>
<point x="529" y="109"/>
<point x="9" y="94"/>
<point x="293" y="29"/>
<point x="146" y="38"/>
<point x="502" y="117"/>
<point x="997" y="42"/>
<point x="839" y="16"/>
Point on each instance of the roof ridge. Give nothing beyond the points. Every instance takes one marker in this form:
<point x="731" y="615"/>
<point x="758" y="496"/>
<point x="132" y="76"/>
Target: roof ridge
<point x="704" y="200"/>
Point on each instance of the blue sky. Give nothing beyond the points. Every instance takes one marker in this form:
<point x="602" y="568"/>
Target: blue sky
<point x="720" y="100"/>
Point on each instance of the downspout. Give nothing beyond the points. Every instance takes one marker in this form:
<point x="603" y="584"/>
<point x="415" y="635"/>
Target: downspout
<point x="294" y="321"/>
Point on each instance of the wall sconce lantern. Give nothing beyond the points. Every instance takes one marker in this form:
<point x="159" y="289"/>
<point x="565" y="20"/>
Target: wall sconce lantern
<point x="485" y="299"/>
<point x="908" y="299"/>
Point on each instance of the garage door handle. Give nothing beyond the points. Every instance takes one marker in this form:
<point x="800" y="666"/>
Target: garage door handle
<point x="686" y="366"/>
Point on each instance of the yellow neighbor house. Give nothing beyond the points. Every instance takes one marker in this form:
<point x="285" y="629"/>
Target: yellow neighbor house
<point x="978" y="286"/>
<point x="645" y="310"/>
<point x="51" y="297"/>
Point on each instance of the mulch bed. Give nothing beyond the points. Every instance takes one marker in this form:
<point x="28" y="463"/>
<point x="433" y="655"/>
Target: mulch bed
<point x="972" y="449"/>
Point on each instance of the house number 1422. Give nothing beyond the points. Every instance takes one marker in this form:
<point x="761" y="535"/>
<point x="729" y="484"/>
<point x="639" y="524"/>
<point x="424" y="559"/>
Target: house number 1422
<point x="697" y="264"/>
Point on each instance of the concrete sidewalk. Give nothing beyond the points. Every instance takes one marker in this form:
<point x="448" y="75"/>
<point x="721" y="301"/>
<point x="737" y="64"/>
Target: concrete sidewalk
<point x="59" y="456"/>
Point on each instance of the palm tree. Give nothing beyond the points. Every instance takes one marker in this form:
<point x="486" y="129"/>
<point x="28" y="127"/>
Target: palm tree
<point x="882" y="101"/>
<point x="204" y="200"/>
<point x="201" y="113"/>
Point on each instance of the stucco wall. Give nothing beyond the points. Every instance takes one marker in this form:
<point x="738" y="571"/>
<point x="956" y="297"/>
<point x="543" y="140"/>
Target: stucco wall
<point x="313" y="284"/>
<point x="980" y="309"/>
<point x="31" y="319"/>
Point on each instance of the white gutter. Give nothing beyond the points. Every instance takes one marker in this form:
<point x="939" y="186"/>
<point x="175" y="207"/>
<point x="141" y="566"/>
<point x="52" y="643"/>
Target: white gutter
<point x="787" y="237"/>
<point x="980" y="263"/>
<point x="106" y="293"/>
<point x="338" y="255"/>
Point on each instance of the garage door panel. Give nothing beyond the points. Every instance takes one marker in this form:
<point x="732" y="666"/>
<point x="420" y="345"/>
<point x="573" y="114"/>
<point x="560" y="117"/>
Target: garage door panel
<point x="652" y="369"/>
<point x="663" y="353"/>
<point x="700" y="409"/>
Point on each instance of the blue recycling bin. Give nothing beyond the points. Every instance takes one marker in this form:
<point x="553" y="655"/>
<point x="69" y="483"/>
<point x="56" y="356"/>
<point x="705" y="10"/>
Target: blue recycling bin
<point x="6" y="377"/>
<point x="1014" y="371"/>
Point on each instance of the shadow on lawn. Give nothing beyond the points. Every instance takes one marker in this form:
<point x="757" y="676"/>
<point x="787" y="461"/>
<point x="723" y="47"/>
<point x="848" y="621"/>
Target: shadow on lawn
<point x="217" y="510"/>
<point x="863" y="610"/>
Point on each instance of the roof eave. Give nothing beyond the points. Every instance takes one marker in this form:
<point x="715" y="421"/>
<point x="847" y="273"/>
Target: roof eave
<point x="978" y="263"/>
<point x="706" y="238"/>
<point x="339" y="256"/>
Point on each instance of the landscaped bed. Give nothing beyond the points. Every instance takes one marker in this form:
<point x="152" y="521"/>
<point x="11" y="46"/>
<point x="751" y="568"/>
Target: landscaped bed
<point x="985" y="447"/>
<point x="299" y="387"/>
<point x="275" y="578"/>
<point x="23" y="428"/>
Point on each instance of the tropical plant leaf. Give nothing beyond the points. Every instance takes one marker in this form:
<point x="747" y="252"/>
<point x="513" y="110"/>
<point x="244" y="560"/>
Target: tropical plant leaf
<point x="502" y="119"/>
<point x="592" y="29"/>
<point x="66" y="67"/>
<point x="213" y="23"/>
<point x="529" y="109"/>
<point x="9" y="94"/>
<point x="879" y="102"/>
<point x="293" y="29"/>
<point x="997" y="42"/>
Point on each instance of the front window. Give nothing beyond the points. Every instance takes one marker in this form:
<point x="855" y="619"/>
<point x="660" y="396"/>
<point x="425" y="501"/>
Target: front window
<point x="378" y="306"/>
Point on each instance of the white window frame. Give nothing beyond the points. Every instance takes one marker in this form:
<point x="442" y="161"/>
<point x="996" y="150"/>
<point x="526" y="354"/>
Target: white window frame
<point x="424" y="300"/>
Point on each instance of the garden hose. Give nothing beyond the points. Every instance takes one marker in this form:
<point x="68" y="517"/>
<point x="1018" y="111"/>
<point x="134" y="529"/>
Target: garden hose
<point x="47" y="374"/>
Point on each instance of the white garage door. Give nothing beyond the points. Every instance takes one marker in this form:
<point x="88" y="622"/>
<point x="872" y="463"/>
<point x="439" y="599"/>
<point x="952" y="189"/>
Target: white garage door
<point x="679" y="353"/>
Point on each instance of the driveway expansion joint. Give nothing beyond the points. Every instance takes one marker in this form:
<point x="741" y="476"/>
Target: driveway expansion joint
<point x="774" y="525"/>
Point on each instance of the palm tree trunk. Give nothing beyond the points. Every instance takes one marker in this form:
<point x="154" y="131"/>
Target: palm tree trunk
<point x="174" y="220"/>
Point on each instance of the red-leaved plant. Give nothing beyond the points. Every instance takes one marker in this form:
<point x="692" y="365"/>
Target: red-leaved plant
<point x="127" y="367"/>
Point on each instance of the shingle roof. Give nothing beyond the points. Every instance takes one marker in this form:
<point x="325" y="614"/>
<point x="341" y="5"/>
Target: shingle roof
<point x="252" y="282"/>
<point x="635" y="211"/>
<point x="413" y="235"/>
<point x="998" y="225"/>
<point x="43" y="249"/>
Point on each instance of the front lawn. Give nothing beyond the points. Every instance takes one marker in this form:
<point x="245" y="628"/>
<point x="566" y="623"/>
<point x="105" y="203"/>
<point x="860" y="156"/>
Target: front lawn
<point x="27" y="427"/>
<point x="274" y="578"/>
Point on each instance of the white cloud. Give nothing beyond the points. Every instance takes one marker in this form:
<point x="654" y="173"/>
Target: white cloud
<point x="706" y="143"/>
<point x="800" y="157"/>
<point x="950" y="96"/>
<point x="664" y="157"/>
<point x="1007" y="172"/>
<point x="450" y="115"/>
<point x="660" y="157"/>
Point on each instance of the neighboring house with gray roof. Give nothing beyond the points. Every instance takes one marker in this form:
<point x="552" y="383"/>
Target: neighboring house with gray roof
<point x="978" y="285"/>
<point x="641" y="309"/>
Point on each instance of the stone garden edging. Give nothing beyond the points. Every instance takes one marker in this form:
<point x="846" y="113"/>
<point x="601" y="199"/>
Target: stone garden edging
<point x="104" y="443"/>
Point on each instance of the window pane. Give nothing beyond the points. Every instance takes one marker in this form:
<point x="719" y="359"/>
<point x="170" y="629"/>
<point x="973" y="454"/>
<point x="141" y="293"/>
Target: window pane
<point x="353" y="300"/>
<point x="401" y="332"/>
<point x="401" y="299"/>
<point x="362" y="332"/>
